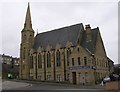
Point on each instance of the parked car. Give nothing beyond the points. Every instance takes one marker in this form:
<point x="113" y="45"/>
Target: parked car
<point x="119" y="77"/>
<point x="114" y="77"/>
<point x="106" y="79"/>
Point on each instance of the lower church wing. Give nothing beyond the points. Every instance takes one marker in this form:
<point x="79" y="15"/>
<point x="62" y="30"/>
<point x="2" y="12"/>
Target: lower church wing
<point x="74" y="54"/>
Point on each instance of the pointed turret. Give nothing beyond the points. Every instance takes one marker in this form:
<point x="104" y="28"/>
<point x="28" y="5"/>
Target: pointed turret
<point x="27" y="41"/>
<point x="28" y="23"/>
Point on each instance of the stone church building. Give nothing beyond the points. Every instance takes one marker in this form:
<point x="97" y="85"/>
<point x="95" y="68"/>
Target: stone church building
<point x="69" y="54"/>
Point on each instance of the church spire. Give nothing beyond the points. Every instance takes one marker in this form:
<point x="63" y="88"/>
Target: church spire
<point x="28" y="23"/>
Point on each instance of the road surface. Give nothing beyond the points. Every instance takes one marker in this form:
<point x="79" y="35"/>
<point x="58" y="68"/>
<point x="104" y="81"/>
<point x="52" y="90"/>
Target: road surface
<point x="26" y="86"/>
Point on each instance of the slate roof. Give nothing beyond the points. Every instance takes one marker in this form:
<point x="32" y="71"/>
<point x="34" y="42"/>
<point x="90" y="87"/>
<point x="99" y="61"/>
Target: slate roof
<point x="90" y="45"/>
<point x="62" y="35"/>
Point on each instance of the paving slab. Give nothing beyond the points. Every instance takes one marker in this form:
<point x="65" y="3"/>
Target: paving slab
<point x="7" y="85"/>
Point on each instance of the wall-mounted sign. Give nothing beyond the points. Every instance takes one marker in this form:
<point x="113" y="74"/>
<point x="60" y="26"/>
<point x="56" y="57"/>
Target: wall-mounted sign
<point x="94" y="67"/>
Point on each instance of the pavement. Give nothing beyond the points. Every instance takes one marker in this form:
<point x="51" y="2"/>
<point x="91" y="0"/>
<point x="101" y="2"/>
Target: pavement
<point x="8" y="85"/>
<point x="0" y="84"/>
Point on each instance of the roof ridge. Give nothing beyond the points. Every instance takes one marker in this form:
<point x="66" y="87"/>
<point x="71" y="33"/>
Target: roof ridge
<point x="60" y="28"/>
<point x="64" y="34"/>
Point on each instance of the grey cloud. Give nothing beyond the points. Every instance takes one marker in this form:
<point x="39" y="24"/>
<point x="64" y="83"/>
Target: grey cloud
<point x="48" y="16"/>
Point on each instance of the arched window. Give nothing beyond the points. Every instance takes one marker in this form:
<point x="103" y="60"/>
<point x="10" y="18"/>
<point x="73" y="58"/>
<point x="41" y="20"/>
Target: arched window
<point x="39" y="61"/>
<point x="85" y="60"/>
<point x="78" y="49"/>
<point x="31" y="61"/>
<point x="48" y="60"/>
<point x="30" y="38"/>
<point x="24" y="38"/>
<point x="73" y="62"/>
<point x="68" y="53"/>
<point x="58" y="58"/>
<point x="86" y="77"/>
<point x="24" y="53"/>
<point x="53" y="55"/>
<point x="78" y="60"/>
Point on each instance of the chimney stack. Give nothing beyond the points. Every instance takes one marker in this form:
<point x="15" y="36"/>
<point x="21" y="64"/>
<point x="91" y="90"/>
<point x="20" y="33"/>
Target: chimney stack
<point x="87" y="27"/>
<point x="88" y="32"/>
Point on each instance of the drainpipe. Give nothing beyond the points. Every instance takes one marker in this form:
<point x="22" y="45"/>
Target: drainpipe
<point x="54" y="66"/>
<point x="44" y="67"/>
<point x="36" y="66"/>
<point x="94" y="68"/>
<point x="29" y="64"/>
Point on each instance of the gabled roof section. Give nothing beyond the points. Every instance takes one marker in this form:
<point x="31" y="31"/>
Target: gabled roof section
<point x="61" y="35"/>
<point x="102" y="43"/>
<point x="73" y="33"/>
<point x="90" y="45"/>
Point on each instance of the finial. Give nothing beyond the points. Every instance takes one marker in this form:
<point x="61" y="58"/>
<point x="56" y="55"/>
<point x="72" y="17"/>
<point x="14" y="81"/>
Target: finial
<point x="37" y="31"/>
<point x="28" y="4"/>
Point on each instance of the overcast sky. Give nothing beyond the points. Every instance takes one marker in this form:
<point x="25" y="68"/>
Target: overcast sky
<point x="51" y="15"/>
